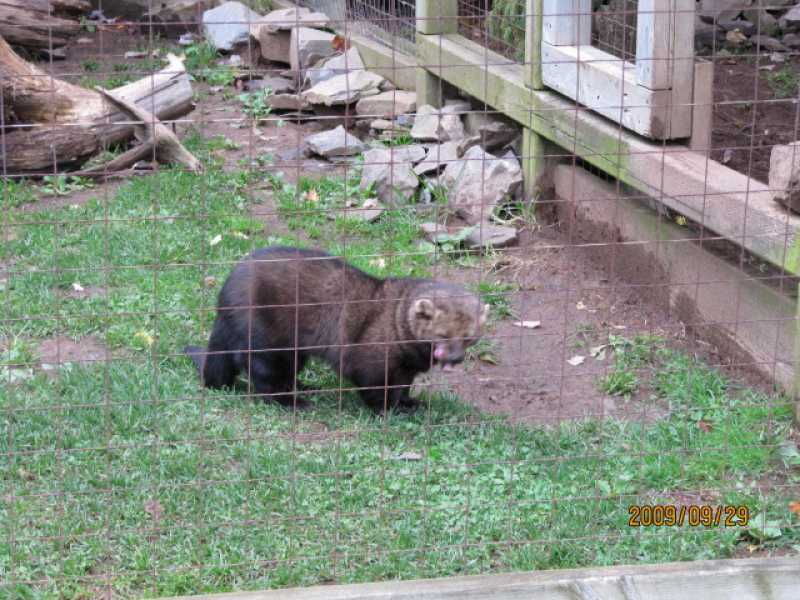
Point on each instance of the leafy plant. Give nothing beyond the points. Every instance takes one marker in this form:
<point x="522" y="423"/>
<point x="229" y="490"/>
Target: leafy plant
<point x="497" y="295"/>
<point x="256" y="105"/>
<point x="62" y="185"/>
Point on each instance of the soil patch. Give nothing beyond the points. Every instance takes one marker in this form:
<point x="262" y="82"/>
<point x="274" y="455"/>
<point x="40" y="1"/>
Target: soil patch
<point x="59" y="351"/>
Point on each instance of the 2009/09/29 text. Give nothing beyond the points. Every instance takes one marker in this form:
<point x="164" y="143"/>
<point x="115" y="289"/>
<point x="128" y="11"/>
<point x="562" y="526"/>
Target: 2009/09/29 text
<point x="706" y="515"/>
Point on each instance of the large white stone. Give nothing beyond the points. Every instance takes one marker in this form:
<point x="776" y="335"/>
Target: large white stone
<point x="722" y="10"/>
<point x="228" y="25"/>
<point x="308" y="46"/>
<point x="336" y="142"/>
<point x="479" y="183"/>
<point x="784" y="174"/>
<point x="393" y="181"/>
<point x="344" y="89"/>
<point x="340" y="64"/>
<point x="432" y="125"/>
<point x="387" y="105"/>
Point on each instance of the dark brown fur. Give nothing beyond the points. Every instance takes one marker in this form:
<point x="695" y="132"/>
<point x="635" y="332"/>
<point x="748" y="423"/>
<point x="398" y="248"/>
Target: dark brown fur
<point x="282" y="305"/>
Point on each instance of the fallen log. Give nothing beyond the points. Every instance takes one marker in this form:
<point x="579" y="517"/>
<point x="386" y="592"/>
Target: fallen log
<point x="51" y="125"/>
<point x="41" y="23"/>
<point x="157" y="142"/>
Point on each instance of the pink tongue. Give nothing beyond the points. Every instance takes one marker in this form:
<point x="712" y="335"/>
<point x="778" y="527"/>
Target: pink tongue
<point x="438" y="352"/>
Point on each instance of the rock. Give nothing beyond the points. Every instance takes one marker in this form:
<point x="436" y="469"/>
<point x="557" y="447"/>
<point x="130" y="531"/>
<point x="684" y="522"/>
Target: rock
<point x="367" y="213"/>
<point x="433" y="231"/>
<point x="336" y="142"/>
<point x="486" y="235"/>
<point x="170" y="16"/>
<point x="273" y="31"/>
<point x="344" y="89"/>
<point x="393" y="181"/>
<point x="54" y="53"/>
<point x="493" y="134"/>
<point x="308" y="46"/>
<point x="228" y="25"/>
<point x="456" y="107"/>
<point x="722" y="10"/>
<point x="793" y="18"/>
<point x="745" y="27"/>
<point x="791" y="41"/>
<point x="338" y="65"/>
<point x="478" y="183"/>
<point x="288" y="102"/>
<point x="386" y="125"/>
<point x="764" y="22"/>
<point x="432" y="126"/>
<point x="736" y="37"/>
<point x="767" y="42"/>
<point x="278" y="85"/>
<point x="387" y="105"/>
<point x="704" y="33"/>
<point x="784" y="175"/>
<point x="288" y="18"/>
<point x="440" y="156"/>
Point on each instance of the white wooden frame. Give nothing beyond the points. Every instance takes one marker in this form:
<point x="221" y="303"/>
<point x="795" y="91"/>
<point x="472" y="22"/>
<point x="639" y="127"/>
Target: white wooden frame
<point x="652" y="96"/>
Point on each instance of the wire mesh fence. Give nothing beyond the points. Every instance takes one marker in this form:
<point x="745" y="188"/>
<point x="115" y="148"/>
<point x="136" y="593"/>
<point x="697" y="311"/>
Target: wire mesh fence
<point x="182" y="412"/>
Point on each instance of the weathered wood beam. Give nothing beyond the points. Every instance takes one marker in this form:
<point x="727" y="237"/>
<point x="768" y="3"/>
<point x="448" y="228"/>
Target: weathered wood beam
<point x="720" y="199"/>
<point x="748" y="579"/>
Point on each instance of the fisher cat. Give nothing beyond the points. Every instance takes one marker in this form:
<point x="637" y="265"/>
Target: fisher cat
<point x="282" y="305"/>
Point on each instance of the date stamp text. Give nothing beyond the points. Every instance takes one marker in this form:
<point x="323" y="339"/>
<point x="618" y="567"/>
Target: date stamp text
<point x="695" y="516"/>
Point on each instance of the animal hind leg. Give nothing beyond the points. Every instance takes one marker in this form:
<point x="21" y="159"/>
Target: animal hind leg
<point x="274" y="377"/>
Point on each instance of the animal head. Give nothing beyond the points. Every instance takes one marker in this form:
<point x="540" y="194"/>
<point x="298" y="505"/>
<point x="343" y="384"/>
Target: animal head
<point x="450" y="318"/>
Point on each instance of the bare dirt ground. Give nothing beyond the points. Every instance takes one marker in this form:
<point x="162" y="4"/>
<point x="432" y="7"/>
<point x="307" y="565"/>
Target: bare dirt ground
<point x="578" y="302"/>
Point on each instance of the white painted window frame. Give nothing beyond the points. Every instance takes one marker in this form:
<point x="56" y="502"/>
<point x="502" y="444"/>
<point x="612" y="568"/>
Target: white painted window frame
<point x="652" y="96"/>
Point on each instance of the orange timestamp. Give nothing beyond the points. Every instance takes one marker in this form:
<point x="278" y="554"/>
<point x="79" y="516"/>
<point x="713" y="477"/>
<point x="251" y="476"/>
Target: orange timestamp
<point x="728" y="516"/>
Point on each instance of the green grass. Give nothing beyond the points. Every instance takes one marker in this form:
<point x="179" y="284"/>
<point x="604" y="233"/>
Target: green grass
<point x="124" y="470"/>
<point x="785" y="82"/>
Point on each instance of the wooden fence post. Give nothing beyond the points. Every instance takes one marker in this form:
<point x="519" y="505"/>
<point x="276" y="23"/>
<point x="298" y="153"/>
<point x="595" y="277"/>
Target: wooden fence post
<point x="434" y="17"/>
<point x="534" y="146"/>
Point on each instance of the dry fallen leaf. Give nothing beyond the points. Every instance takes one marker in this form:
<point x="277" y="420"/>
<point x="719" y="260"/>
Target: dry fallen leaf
<point x="27" y="475"/>
<point x="239" y="234"/>
<point x="378" y="261"/>
<point x="598" y="352"/>
<point x="580" y="305"/>
<point x="370" y="202"/>
<point x="210" y="281"/>
<point x="576" y="360"/>
<point x="528" y="324"/>
<point x="705" y="425"/>
<point x="154" y="508"/>
<point x="76" y="287"/>
<point x="215" y="240"/>
<point x="795" y="508"/>
<point x="488" y="358"/>
<point x="340" y="43"/>
<point x="312" y="195"/>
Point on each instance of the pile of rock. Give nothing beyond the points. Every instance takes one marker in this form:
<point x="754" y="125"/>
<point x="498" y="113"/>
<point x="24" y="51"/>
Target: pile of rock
<point x="735" y="24"/>
<point x="448" y="153"/>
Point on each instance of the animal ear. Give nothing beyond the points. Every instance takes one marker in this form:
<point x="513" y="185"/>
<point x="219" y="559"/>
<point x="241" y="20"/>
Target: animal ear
<point x="424" y="308"/>
<point x="484" y="314"/>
